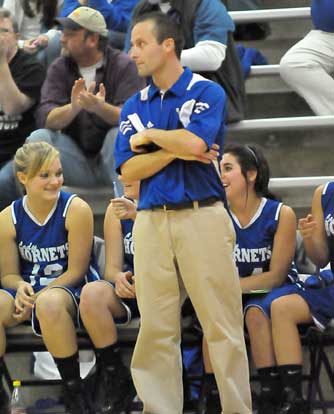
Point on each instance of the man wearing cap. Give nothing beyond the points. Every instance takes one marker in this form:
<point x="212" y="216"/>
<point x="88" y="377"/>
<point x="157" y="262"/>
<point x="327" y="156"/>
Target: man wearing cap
<point x="81" y="101"/>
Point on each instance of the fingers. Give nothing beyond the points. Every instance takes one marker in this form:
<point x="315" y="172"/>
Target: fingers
<point x="123" y="288"/>
<point x="91" y="87"/>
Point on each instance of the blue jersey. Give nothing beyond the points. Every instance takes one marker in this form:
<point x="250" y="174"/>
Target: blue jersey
<point x="327" y="203"/>
<point x="254" y="242"/>
<point x="43" y="248"/>
<point x="127" y="226"/>
<point x="193" y="103"/>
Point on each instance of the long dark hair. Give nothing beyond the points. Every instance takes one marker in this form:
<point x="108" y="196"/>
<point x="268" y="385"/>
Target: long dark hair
<point x="48" y="8"/>
<point x="251" y="158"/>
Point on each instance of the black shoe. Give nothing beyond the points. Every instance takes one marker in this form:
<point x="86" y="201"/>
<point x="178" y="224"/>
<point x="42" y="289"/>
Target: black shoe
<point x="266" y="407"/>
<point x="76" y="398"/>
<point x="4" y="401"/>
<point x="209" y="402"/>
<point x="115" y="390"/>
<point x="292" y="404"/>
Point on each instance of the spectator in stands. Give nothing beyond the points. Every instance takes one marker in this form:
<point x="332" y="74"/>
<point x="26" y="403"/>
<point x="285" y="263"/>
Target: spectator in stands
<point x="209" y="48"/>
<point x="46" y="255"/>
<point x="167" y="139"/>
<point x="305" y="305"/>
<point x="111" y="301"/>
<point x="81" y="100"/>
<point x="265" y="247"/>
<point x="36" y="25"/>
<point x="21" y="78"/>
<point x="117" y="14"/>
<point x="308" y="65"/>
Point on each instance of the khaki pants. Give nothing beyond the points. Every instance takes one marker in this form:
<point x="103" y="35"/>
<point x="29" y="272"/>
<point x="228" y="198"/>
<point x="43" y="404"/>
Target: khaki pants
<point x="191" y="248"/>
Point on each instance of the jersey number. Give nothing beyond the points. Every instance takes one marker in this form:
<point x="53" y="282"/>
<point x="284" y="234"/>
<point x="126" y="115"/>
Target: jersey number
<point x="54" y="270"/>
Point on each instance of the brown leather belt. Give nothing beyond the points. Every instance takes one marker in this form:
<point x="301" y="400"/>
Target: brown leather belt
<point x="188" y="204"/>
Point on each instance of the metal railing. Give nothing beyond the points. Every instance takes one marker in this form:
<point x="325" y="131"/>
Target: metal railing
<point x="281" y="183"/>
<point x="283" y="124"/>
<point x="264" y="70"/>
<point x="269" y="15"/>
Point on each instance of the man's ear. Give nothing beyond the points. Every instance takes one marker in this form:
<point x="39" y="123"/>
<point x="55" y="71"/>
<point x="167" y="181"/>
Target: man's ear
<point x="169" y="44"/>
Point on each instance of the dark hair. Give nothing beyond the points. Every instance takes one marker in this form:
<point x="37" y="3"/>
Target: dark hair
<point x="48" y="8"/>
<point x="251" y="158"/>
<point x="102" y="43"/>
<point x="6" y="14"/>
<point x="165" y="27"/>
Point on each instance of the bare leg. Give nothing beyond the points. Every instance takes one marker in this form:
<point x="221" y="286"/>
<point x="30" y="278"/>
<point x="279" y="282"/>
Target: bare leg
<point x="55" y="311"/>
<point x="287" y="313"/>
<point x="6" y="318"/>
<point x="98" y="306"/>
<point x="259" y="329"/>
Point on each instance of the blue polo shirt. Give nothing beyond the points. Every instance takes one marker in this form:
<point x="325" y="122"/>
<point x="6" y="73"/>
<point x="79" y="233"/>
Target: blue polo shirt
<point x="322" y="12"/>
<point x="192" y="103"/>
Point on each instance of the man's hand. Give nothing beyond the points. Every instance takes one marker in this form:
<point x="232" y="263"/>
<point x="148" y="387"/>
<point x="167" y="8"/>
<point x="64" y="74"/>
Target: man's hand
<point x="90" y="102"/>
<point x="307" y="227"/>
<point x="4" y="49"/>
<point x="139" y="140"/>
<point x="33" y="45"/>
<point x="77" y="89"/>
<point x="206" y="157"/>
<point x="124" y="208"/>
<point x="124" y="285"/>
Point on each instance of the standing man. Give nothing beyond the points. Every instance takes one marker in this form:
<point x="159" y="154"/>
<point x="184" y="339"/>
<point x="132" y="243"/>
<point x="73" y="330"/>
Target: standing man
<point x="184" y="239"/>
<point x="21" y="78"/>
<point x="81" y="102"/>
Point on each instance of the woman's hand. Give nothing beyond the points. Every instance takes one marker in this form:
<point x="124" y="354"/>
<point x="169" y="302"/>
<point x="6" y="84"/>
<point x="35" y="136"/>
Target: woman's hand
<point x="124" y="285"/>
<point x="25" y="297"/>
<point x="123" y="208"/>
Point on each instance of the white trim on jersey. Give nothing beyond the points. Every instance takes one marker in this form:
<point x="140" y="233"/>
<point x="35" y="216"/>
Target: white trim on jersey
<point x="325" y="188"/>
<point x="13" y="213"/>
<point x="254" y="218"/>
<point x="196" y="78"/>
<point x="33" y="218"/>
<point x="68" y="204"/>
<point x="136" y="122"/>
<point x="278" y="211"/>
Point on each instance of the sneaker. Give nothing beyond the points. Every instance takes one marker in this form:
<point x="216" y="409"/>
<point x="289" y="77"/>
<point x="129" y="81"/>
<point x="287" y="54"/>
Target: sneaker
<point x="266" y="407"/>
<point x="292" y="404"/>
<point x="115" y="390"/>
<point x="76" y="398"/>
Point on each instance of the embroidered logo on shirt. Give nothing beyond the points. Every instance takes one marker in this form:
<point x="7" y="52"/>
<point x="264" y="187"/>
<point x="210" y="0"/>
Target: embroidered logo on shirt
<point x="125" y="127"/>
<point x="150" y="125"/>
<point x="200" y="107"/>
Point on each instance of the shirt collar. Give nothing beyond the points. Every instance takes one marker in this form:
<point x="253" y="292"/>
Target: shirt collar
<point x="178" y="88"/>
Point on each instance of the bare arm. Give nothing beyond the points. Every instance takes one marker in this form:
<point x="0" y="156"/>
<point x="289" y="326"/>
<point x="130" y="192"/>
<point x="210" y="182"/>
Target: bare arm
<point x="62" y="116"/>
<point x="12" y="100"/>
<point x="313" y="231"/>
<point x="115" y="256"/>
<point x="143" y="166"/>
<point x="179" y="141"/>
<point x="79" y="224"/>
<point x="282" y="255"/>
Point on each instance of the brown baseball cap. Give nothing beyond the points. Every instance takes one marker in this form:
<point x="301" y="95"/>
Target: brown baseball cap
<point x="85" y="18"/>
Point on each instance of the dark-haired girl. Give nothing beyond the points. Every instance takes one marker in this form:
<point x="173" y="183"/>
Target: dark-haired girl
<point x="265" y="247"/>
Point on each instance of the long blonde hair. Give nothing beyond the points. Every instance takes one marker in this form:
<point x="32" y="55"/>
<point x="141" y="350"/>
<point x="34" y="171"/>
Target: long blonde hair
<point x="34" y="156"/>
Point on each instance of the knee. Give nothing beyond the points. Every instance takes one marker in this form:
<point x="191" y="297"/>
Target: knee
<point x="280" y="309"/>
<point x="95" y="297"/>
<point x="49" y="307"/>
<point x="255" y="319"/>
<point x="42" y="134"/>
